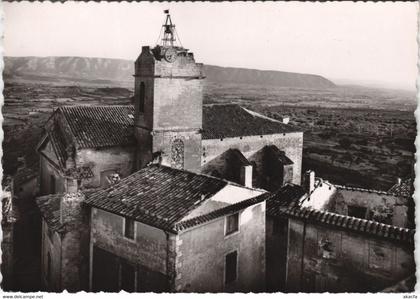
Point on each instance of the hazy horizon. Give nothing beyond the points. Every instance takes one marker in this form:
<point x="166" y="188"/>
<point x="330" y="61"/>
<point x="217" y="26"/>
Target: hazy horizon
<point x="357" y="42"/>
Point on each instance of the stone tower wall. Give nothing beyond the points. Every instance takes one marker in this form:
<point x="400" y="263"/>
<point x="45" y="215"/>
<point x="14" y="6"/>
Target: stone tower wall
<point x="172" y="116"/>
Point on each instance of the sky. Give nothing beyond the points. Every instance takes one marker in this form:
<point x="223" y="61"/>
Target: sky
<point x="354" y="42"/>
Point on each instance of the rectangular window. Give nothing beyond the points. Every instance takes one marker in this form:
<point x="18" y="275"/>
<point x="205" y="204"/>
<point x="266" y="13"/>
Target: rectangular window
<point x="232" y="224"/>
<point x="231" y="263"/>
<point x="129" y="228"/>
<point x="358" y="212"/>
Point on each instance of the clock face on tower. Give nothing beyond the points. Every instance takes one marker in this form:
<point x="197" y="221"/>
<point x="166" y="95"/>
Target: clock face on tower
<point x="170" y="55"/>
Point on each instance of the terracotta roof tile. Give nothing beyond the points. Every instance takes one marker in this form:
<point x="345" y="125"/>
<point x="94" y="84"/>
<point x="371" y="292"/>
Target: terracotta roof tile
<point x="157" y="195"/>
<point x="286" y="196"/>
<point x="24" y="175"/>
<point x="49" y="205"/>
<point x="221" y="212"/>
<point x="59" y="145"/>
<point x="353" y="224"/>
<point x="405" y="188"/>
<point x="100" y="126"/>
<point x="222" y="121"/>
<point x="83" y="172"/>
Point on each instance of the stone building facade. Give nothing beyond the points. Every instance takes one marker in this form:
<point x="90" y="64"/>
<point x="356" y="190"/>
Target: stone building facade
<point x="169" y="194"/>
<point x="334" y="253"/>
<point x="381" y="206"/>
<point x="65" y="242"/>
<point x="183" y="244"/>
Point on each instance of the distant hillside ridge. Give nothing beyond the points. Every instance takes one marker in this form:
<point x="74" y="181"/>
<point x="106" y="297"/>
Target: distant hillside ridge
<point x="88" y="68"/>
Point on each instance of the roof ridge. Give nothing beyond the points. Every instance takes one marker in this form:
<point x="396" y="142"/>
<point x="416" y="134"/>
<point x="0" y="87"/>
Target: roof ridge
<point x="361" y="189"/>
<point x="256" y="114"/>
<point x="69" y="127"/>
<point x="209" y="176"/>
<point x="356" y="224"/>
<point x="185" y="224"/>
<point x="94" y="106"/>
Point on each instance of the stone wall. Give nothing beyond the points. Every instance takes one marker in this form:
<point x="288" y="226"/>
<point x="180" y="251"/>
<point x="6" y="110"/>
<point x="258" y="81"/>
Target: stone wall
<point x="118" y="159"/>
<point x="149" y="250"/>
<point x="251" y="147"/>
<point x="27" y="190"/>
<point x="75" y="243"/>
<point x="380" y="207"/>
<point x="177" y="104"/>
<point x="201" y="255"/>
<point x="172" y="108"/>
<point x="323" y="258"/>
<point x="7" y="255"/>
<point x="375" y="205"/>
<point x="276" y="253"/>
<point x="163" y="142"/>
<point x="51" y="244"/>
<point x="46" y="171"/>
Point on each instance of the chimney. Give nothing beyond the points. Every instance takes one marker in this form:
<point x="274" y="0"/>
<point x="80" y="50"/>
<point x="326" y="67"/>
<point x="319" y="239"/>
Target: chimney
<point x="246" y="176"/>
<point x="71" y="208"/>
<point x="398" y="181"/>
<point x="309" y="181"/>
<point x="72" y="186"/>
<point x="70" y="163"/>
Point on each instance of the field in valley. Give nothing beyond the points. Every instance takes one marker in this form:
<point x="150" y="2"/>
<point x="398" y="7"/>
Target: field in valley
<point x="353" y="135"/>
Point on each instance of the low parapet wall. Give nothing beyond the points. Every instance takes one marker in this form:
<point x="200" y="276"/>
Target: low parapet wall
<point x="336" y="253"/>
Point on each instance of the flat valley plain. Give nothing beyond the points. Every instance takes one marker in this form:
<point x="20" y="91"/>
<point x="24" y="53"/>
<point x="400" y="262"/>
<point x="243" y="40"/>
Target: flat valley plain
<point x="353" y="135"/>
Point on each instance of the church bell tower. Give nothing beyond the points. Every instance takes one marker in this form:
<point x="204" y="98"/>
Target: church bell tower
<point x="168" y="99"/>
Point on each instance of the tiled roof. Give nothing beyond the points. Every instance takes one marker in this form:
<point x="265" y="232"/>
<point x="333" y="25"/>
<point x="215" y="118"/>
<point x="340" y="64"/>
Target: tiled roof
<point x="348" y="188"/>
<point x="222" y="121"/>
<point x="157" y="195"/>
<point x="221" y="212"/>
<point x="405" y="188"/>
<point x="100" y="126"/>
<point x="353" y="224"/>
<point x="49" y="205"/>
<point x="285" y="197"/>
<point x="24" y="175"/>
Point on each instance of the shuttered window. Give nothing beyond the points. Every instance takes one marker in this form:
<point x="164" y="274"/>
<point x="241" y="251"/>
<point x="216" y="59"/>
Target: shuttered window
<point x="232" y="224"/>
